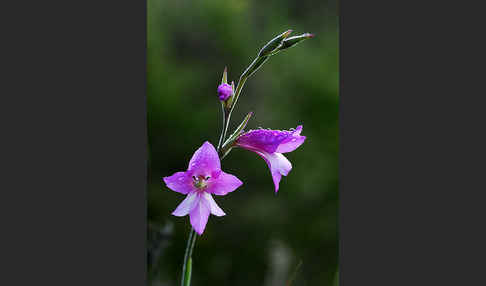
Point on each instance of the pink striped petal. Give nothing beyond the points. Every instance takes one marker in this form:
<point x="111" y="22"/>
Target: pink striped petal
<point x="199" y="215"/>
<point x="187" y="204"/>
<point x="213" y="207"/>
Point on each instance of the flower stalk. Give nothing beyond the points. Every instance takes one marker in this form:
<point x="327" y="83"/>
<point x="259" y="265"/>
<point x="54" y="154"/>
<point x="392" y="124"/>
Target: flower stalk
<point x="204" y="176"/>
<point x="191" y="241"/>
<point x="187" y="266"/>
<point x="263" y="55"/>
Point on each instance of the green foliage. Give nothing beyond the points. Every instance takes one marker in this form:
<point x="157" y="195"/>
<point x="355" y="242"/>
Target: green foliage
<point x="188" y="44"/>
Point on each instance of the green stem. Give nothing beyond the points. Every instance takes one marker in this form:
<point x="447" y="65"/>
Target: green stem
<point x="239" y="87"/>
<point x="187" y="266"/>
<point x="191" y="241"/>
<point x="223" y="133"/>
<point x="187" y="256"/>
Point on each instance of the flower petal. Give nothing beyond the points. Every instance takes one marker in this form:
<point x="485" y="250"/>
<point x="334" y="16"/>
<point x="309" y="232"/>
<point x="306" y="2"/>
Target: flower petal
<point x="270" y="141"/>
<point x="187" y="204"/>
<point x="199" y="215"/>
<point x="213" y="207"/>
<point x="278" y="164"/>
<point x="290" y="144"/>
<point x="298" y="130"/>
<point x="204" y="161"/>
<point x="262" y="139"/>
<point x="180" y="182"/>
<point x="223" y="184"/>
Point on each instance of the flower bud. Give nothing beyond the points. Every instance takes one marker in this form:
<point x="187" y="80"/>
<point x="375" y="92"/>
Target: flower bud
<point x="224" y="91"/>
<point x="292" y="41"/>
<point x="274" y="44"/>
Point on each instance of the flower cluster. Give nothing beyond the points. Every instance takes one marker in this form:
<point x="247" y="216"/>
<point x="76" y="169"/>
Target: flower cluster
<point x="204" y="177"/>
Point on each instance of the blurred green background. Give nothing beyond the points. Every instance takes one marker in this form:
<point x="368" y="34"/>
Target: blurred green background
<point x="264" y="236"/>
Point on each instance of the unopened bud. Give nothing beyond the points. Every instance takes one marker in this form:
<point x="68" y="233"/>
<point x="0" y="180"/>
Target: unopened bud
<point x="274" y="44"/>
<point x="224" y="91"/>
<point x="292" y="41"/>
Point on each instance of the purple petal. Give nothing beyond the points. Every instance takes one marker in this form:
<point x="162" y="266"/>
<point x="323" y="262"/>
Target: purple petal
<point x="199" y="215"/>
<point x="262" y="139"/>
<point x="204" y="161"/>
<point x="187" y="204"/>
<point x="213" y="207"/>
<point x="278" y="164"/>
<point x="271" y="141"/>
<point x="298" y="130"/>
<point x="292" y="142"/>
<point x="179" y="182"/>
<point x="223" y="184"/>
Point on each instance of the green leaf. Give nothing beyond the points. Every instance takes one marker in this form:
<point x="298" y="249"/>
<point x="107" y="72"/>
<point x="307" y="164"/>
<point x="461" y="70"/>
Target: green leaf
<point x="237" y="132"/>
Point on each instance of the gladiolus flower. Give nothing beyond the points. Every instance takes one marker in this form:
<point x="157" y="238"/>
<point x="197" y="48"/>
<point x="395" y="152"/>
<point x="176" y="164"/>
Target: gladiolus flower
<point x="270" y="144"/>
<point x="224" y="91"/>
<point x="202" y="179"/>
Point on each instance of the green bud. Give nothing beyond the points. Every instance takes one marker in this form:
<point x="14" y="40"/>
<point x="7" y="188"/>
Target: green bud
<point x="274" y="44"/>
<point x="292" y="41"/>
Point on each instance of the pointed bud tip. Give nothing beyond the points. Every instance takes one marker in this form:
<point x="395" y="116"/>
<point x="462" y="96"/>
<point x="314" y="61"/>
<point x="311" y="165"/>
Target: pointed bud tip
<point x="224" y="79"/>
<point x="287" y="33"/>
<point x="310" y="35"/>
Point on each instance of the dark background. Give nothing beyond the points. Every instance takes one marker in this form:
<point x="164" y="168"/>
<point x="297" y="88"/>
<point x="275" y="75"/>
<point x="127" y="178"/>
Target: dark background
<point x="264" y="236"/>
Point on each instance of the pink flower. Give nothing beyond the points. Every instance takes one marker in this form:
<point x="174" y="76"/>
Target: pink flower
<point x="270" y="144"/>
<point x="202" y="178"/>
